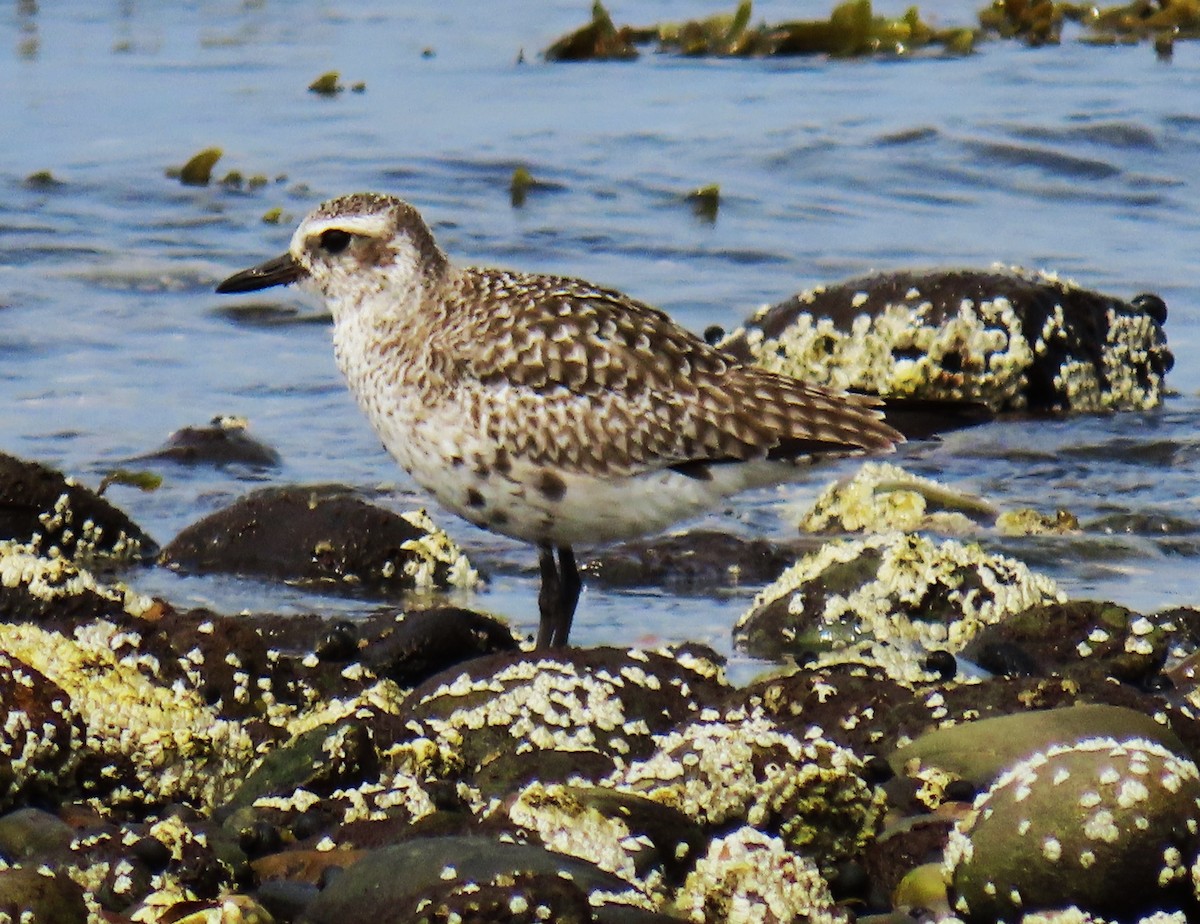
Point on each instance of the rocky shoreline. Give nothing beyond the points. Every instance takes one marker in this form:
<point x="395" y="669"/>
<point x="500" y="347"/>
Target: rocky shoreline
<point x="954" y="739"/>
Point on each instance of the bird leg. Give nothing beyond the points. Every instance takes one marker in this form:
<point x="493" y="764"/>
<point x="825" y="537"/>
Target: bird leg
<point x="558" y="597"/>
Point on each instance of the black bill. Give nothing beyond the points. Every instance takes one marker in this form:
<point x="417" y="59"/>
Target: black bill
<point x="277" y="272"/>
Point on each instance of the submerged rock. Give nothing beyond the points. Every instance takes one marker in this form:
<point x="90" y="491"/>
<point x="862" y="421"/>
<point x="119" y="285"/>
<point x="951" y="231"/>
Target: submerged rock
<point x="321" y="536"/>
<point x="695" y="561"/>
<point x="1009" y="338"/>
<point x="225" y="441"/>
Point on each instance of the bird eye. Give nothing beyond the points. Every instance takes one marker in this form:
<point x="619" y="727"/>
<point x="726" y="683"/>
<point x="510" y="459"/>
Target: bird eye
<point x="335" y="240"/>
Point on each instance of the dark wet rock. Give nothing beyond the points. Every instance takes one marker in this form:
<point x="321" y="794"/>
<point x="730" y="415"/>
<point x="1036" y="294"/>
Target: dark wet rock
<point x="726" y="770"/>
<point x="225" y="441"/>
<point x="903" y="846"/>
<point x="1004" y="659"/>
<point x="696" y="561"/>
<point x="419" y="644"/>
<point x="29" y="832"/>
<point x="887" y="599"/>
<point x="1071" y="639"/>
<point x="476" y="878"/>
<point x="269" y="314"/>
<point x="36" y="501"/>
<point x="1012" y="339"/>
<point x="27" y="894"/>
<point x="603" y="703"/>
<point x="980" y="751"/>
<point x="285" y="901"/>
<point x="1108" y="826"/>
<point x="321" y="536"/>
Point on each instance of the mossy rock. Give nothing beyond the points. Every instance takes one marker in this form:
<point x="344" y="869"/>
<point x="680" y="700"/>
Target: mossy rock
<point x="980" y="751"/>
<point x="1108" y="826"/>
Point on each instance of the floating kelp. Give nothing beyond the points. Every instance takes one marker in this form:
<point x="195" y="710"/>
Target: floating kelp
<point x="599" y="40"/>
<point x="852" y="29"/>
<point x="1039" y="22"/>
<point x="705" y="202"/>
<point x="328" y="84"/>
<point x="198" y="170"/>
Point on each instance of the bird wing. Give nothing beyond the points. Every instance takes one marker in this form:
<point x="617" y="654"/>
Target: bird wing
<point x="571" y="374"/>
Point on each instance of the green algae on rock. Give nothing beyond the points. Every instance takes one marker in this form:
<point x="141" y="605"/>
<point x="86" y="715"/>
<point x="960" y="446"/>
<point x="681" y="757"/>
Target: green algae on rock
<point x="1009" y="338"/>
<point x="887" y="599"/>
<point x="981" y="751"/>
<point x="1108" y="826"/>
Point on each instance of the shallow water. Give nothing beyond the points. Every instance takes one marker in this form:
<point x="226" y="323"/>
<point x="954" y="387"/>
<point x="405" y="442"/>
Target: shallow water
<point x="1077" y="159"/>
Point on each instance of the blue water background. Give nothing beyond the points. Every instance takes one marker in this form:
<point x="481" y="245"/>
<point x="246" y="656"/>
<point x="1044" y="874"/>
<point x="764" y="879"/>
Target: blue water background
<point x="1077" y="159"/>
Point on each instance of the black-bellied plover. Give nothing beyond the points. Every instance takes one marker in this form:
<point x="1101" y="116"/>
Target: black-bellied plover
<point x="545" y="408"/>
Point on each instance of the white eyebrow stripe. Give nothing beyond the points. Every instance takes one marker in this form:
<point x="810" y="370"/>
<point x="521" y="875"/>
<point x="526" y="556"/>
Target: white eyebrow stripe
<point x="366" y="225"/>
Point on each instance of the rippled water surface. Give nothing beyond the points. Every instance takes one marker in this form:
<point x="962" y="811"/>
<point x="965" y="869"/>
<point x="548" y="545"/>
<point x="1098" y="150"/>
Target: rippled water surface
<point x="1078" y="159"/>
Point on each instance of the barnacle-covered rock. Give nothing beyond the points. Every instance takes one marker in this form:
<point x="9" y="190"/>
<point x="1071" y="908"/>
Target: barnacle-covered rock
<point x="646" y="843"/>
<point x="888" y="599"/>
<point x="122" y="865"/>
<point x="39" y="732"/>
<point x="750" y="876"/>
<point x="1109" y="826"/>
<point x="881" y="496"/>
<point x="724" y="770"/>
<point x="358" y="814"/>
<point x="509" y="719"/>
<point x="40" y="506"/>
<point x="323" y="536"/>
<point x="144" y="741"/>
<point x="35" y="586"/>
<point x="1012" y="339"/>
<point x="855" y="705"/>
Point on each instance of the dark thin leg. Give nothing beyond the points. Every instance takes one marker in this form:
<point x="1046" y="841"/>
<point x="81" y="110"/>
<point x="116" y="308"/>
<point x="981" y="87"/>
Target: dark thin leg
<point x="558" y="597"/>
<point x="571" y="585"/>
